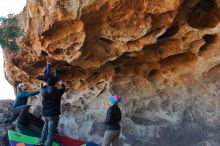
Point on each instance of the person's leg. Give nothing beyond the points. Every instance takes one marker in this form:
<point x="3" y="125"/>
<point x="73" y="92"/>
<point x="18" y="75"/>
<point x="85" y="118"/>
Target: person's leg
<point x="44" y="131"/>
<point x="108" y="138"/>
<point x="116" y="138"/>
<point x="22" y="118"/>
<point x="52" y="125"/>
<point x="14" y="115"/>
<point x="17" y="112"/>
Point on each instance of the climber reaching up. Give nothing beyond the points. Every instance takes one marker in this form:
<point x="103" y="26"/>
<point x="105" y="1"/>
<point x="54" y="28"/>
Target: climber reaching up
<point x="48" y="72"/>
<point x="20" y="107"/>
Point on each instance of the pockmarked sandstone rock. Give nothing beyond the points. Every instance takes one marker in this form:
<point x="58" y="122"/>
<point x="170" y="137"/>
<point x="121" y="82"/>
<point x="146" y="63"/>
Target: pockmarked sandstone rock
<point x="162" y="56"/>
<point x="5" y="109"/>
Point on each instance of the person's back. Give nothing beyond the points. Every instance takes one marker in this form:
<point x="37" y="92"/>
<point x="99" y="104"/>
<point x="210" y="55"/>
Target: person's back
<point x="113" y="118"/>
<point x="51" y="100"/>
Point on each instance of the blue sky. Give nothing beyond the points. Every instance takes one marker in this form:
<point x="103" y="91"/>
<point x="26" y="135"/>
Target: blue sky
<point x="8" y="7"/>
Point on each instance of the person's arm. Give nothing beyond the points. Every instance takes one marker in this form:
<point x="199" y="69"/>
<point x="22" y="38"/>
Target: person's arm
<point x="55" y="75"/>
<point x="32" y="93"/>
<point x="108" y="119"/>
<point x="27" y="94"/>
<point x="46" y="72"/>
<point x="120" y="115"/>
<point x="62" y="89"/>
<point x="43" y="92"/>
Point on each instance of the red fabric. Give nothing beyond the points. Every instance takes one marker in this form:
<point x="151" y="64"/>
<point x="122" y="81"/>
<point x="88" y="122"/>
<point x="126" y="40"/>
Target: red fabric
<point x="68" y="141"/>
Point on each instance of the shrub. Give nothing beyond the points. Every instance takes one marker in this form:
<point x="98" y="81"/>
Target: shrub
<point x="9" y="31"/>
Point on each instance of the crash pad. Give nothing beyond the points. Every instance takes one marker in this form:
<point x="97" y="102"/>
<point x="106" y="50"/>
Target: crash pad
<point x="65" y="141"/>
<point x="18" y="139"/>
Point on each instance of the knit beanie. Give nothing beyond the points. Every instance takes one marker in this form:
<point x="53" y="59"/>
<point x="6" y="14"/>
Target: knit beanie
<point x="115" y="99"/>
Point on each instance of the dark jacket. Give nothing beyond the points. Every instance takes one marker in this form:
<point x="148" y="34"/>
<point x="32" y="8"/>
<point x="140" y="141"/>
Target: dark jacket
<point x="22" y="97"/>
<point x="48" y="74"/>
<point x="51" y="100"/>
<point x="113" y="118"/>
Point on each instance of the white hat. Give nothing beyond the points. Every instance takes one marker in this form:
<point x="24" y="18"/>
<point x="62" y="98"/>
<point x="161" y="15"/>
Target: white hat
<point x="21" y="85"/>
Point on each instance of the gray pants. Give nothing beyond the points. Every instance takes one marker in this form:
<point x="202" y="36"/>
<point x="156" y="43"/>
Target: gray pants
<point x="111" y="137"/>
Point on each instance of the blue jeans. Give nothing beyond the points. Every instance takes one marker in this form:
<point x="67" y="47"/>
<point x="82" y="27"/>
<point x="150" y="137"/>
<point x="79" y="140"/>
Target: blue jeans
<point x="49" y="129"/>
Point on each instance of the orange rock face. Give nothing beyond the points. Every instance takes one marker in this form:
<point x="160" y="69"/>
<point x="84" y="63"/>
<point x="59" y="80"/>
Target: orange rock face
<point x="162" y="56"/>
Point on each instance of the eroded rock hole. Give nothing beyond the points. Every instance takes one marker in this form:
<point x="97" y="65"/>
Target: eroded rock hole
<point x="106" y="40"/>
<point x="43" y="53"/>
<point x="170" y="32"/>
<point x="204" y="15"/>
<point x="206" y="5"/>
<point x="39" y="64"/>
<point x="208" y="38"/>
<point x="58" y="51"/>
<point x="152" y="73"/>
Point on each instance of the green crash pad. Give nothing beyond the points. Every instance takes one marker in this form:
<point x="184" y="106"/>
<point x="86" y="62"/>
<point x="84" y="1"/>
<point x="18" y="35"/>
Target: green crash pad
<point x="30" y="131"/>
<point x="15" y="136"/>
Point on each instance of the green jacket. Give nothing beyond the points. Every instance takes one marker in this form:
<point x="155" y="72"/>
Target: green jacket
<point x="21" y="98"/>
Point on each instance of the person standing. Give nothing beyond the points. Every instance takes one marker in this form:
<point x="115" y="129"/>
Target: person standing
<point x="20" y="107"/>
<point x="112" y="123"/>
<point x="51" y="110"/>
